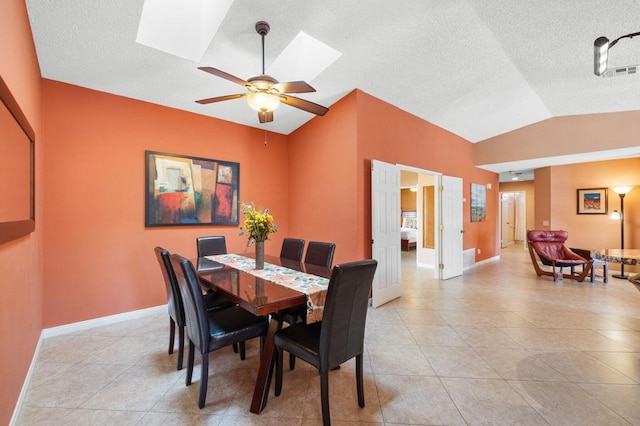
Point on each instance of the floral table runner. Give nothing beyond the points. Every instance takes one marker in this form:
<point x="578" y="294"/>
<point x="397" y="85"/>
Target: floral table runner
<point x="313" y="286"/>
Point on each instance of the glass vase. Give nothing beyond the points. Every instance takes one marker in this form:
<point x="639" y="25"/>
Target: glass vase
<point x="259" y="254"/>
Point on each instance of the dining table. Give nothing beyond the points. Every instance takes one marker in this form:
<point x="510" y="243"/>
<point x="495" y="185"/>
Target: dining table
<point x="282" y="284"/>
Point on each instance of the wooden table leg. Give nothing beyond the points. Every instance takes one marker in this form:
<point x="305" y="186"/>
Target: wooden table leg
<point x="263" y="382"/>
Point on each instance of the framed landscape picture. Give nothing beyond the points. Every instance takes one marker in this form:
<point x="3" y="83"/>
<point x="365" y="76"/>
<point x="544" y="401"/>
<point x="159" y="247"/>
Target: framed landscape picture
<point x="182" y="190"/>
<point x="592" y="201"/>
<point x="478" y="203"/>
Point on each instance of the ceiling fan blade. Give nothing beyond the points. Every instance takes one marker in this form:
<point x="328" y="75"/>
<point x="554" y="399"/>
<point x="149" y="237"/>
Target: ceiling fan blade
<point x="265" y="117"/>
<point x="225" y="75"/>
<point x="294" y="87"/>
<point x="304" y="105"/>
<point x="221" y="98"/>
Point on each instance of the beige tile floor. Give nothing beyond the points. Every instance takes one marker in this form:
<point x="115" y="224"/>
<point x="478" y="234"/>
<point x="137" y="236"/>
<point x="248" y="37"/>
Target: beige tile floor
<point x="495" y="346"/>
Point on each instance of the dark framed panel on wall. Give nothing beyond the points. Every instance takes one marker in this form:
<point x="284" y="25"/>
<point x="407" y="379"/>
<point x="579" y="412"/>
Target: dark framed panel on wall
<point x="592" y="201"/>
<point x="182" y="190"/>
<point x="17" y="169"/>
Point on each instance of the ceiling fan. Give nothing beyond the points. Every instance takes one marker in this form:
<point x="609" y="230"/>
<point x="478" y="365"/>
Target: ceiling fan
<point x="265" y="92"/>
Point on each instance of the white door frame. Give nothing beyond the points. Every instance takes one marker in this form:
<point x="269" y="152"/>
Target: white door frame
<point x="523" y="219"/>
<point x="436" y="219"/>
<point x="387" y="281"/>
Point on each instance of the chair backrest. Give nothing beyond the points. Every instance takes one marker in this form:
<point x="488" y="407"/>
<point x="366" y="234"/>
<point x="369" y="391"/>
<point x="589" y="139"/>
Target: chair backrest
<point x="547" y="236"/>
<point x="345" y="312"/>
<point x="320" y="254"/>
<point x="292" y="248"/>
<point x="174" y="299"/>
<point x="194" y="310"/>
<point x="550" y="246"/>
<point x="210" y="246"/>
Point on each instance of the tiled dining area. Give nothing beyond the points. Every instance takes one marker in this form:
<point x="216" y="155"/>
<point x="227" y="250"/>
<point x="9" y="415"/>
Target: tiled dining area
<point x="495" y="346"/>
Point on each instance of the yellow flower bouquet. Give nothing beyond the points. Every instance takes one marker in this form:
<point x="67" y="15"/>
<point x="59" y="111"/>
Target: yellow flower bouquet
<point x="257" y="224"/>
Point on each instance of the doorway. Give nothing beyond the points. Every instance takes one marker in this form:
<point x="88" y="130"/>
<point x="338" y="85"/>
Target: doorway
<point x="439" y="236"/>
<point x="415" y="201"/>
<point x="512" y="218"/>
<point x="385" y="227"/>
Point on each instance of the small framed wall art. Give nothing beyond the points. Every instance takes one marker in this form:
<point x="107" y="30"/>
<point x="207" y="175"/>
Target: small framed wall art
<point x="592" y="201"/>
<point x="478" y="203"/>
<point x="182" y="190"/>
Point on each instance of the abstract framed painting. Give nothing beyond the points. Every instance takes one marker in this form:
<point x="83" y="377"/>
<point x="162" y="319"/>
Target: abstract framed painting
<point x="182" y="190"/>
<point x="592" y="201"/>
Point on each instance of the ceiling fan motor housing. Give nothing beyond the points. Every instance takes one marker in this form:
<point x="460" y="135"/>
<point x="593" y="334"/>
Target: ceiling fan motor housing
<point x="262" y="28"/>
<point x="262" y="82"/>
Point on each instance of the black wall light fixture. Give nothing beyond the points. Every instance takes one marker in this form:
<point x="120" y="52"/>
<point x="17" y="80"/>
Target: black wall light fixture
<point x="601" y="52"/>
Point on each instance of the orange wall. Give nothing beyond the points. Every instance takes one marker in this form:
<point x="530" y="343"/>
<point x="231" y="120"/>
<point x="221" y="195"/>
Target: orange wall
<point x="542" y="188"/>
<point x="323" y="179"/>
<point x="556" y="201"/>
<point x="20" y="260"/>
<point x="330" y="172"/>
<point x="98" y="255"/>
<point x="562" y="135"/>
<point x="596" y="231"/>
<point x="388" y="134"/>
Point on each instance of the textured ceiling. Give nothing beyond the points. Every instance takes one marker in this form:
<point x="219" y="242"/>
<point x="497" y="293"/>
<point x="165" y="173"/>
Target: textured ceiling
<point x="478" y="68"/>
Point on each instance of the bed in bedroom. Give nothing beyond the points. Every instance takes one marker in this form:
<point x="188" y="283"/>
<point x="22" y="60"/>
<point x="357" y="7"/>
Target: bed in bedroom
<point x="409" y="230"/>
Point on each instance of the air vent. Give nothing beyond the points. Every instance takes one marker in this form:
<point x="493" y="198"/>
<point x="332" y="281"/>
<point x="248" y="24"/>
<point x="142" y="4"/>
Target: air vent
<point x="615" y="72"/>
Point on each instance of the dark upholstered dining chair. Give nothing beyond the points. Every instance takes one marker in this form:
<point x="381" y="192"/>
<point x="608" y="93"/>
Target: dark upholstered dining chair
<point x="339" y="336"/>
<point x="211" y="246"/>
<point x="319" y="253"/>
<point x="292" y="249"/>
<point x="211" y="330"/>
<point x="212" y="301"/>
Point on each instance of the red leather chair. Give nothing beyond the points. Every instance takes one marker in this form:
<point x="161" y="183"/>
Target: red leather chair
<point x="550" y="248"/>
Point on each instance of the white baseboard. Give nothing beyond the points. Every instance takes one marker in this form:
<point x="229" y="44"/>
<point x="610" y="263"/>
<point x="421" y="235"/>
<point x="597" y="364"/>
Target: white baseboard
<point x="70" y="328"/>
<point x="97" y="322"/>
<point x="25" y="384"/>
<point x="468" y="260"/>
<point x="489" y="260"/>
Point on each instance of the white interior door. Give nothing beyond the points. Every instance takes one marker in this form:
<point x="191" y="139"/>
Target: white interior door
<point x="385" y="232"/>
<point x="520" y="216"/>
<point x="508" y="222"/>
<point x="451" y="230"/>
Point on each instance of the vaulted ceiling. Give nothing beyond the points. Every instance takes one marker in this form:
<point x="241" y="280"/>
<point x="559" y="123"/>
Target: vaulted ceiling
<point x="478" y="68"/>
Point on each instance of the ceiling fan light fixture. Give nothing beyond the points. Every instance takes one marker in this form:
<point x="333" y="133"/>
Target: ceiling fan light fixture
<point x="263" y="101"/>
<point x="265" y="92"/>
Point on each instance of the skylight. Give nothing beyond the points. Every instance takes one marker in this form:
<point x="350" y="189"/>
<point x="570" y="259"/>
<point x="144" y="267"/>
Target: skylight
<point x="303" y="59"/>
<point x="181" y="28"/>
